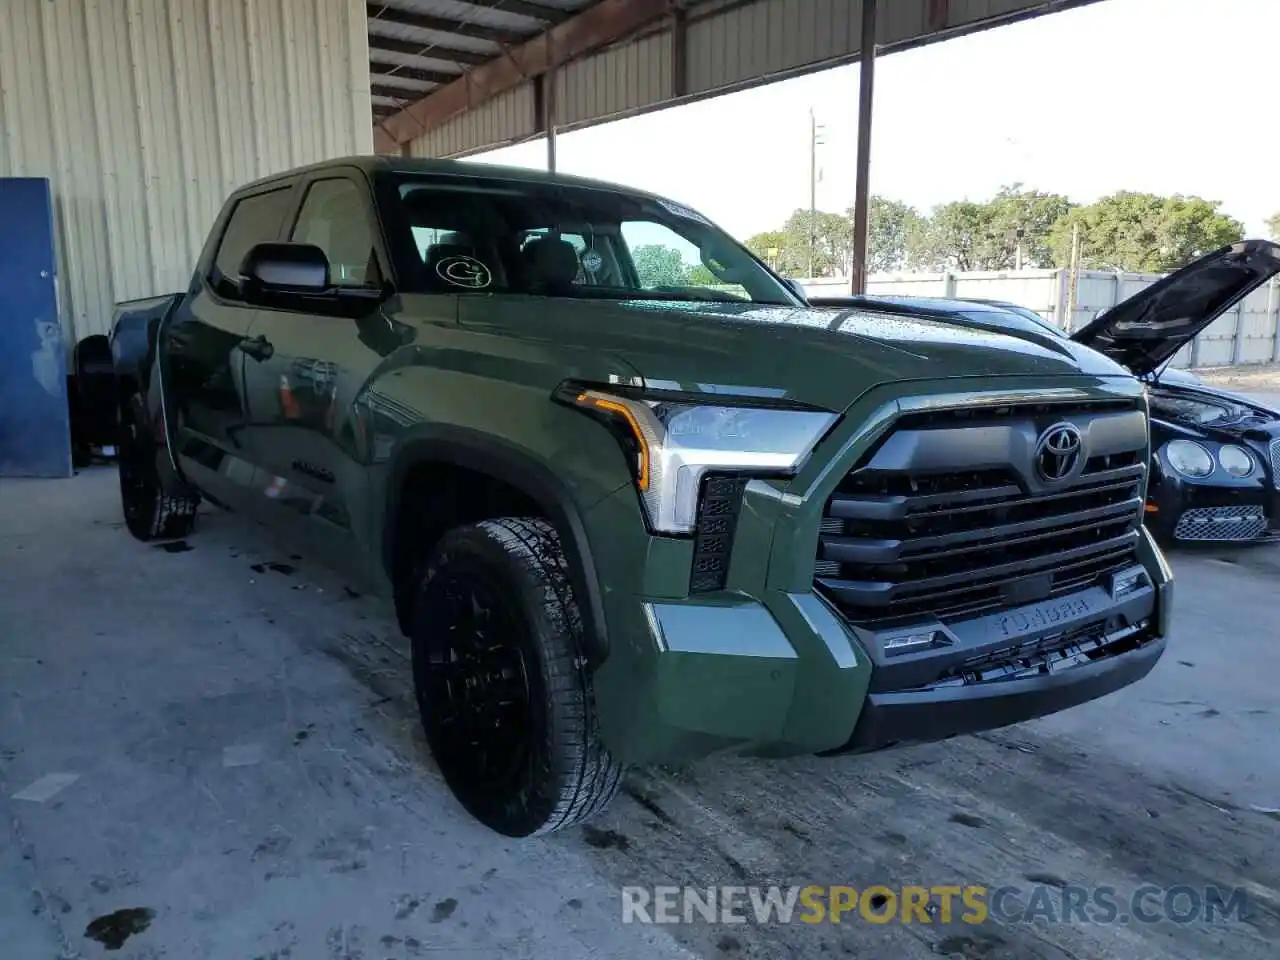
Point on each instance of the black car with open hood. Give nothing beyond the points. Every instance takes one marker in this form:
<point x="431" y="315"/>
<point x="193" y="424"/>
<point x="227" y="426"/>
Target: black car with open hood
<point x="1215" y="463"/>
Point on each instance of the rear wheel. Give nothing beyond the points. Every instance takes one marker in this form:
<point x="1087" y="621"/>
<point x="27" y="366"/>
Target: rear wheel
<point x="150" y="512"/>
<point x="504" y="695"/>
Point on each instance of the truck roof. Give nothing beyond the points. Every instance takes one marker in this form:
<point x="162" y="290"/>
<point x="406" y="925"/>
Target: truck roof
<point x="370" y="163"/>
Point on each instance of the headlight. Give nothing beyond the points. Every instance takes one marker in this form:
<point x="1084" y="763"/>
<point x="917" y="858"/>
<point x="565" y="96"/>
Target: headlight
<point x="1188" y="458"/>
<point x="673" y="441"/>
<point x="1237" y="461"/>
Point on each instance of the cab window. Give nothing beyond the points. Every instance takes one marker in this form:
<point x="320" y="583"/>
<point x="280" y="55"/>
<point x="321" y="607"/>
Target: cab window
<point x="255" y="219"/>
<point x="333" y="218"/>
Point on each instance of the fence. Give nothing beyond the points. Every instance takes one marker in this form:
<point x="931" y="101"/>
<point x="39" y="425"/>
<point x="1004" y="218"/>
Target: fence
<point x="1248" y="333"/>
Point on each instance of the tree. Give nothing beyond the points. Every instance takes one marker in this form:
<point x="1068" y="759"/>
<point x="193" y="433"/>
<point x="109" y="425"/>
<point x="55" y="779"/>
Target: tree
<point x="1144" y="232"/>
<point x="889" y="225"/>
<point x="701" y="276"/>
<point x="771" y="247"/>
<point x="827" y="234"/>
<point x="1026" y="216"/>
<point x="660" y="266"/>
<point x="965" y="235"/>
<point x="956" y="236"/>
<point x="1273" y="225"/>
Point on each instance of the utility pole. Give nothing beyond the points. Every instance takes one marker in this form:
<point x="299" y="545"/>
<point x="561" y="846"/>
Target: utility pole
<point x="814" y="130"/>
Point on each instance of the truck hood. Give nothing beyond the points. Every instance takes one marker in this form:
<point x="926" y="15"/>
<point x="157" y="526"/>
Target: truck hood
<point x="1144" y="332"/>
<point x="826" y="358"/>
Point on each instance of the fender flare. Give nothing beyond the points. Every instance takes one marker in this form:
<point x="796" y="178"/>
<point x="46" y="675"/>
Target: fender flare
<point x="502" y="460"/>
<point x="135" y="345"/>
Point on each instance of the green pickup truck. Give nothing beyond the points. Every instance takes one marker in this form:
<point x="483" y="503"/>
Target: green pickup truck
<point x="633" y="499"/>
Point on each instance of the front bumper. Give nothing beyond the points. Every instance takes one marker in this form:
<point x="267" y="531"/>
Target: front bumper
<point x="786" y="675"/>
<point x="1108" y="645"/>
<point x="1212" y="511"/>
<point x="767" y="667"/>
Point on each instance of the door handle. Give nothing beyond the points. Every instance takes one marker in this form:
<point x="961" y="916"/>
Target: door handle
<point x="259" y="348"/>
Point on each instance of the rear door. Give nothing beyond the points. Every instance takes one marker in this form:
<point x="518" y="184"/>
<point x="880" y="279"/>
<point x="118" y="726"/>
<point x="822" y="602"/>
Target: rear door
<point x="207" y="346"/>
<point x="301" y="395"/>
<point x="35" y="437"/>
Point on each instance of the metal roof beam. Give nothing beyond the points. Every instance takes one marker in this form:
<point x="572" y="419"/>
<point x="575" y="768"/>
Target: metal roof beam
<point x="527" y="8"/>
<point x="387" y="68"/>
<point x="429" y="49"/>
<point x="409" y="18"/>
<point x="597" y="26"/>
<point x="403" y="94"/>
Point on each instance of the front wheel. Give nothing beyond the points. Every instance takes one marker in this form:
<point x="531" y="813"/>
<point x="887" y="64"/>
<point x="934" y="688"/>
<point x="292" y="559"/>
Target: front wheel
<point x="150" y="512"/>
<point x="505" y="697"/>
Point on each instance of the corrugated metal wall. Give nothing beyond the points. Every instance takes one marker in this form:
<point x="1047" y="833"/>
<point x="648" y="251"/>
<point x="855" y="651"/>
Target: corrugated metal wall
<point x="491" y="121"/>
<point x="729" y="44"/>
<point x="146" y="113"/>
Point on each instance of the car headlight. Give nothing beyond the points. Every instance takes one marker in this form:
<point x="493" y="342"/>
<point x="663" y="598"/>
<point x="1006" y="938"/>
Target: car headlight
<point x="1237" y="461"/>
<point x="672" y="441"/>
<point x="1188" y="458"/>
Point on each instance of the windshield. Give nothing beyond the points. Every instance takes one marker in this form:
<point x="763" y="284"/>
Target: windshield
<point x="488" y="235"/>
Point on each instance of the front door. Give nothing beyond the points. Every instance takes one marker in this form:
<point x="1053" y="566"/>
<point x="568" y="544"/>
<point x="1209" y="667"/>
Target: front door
<point x="302" y="387"/>
<point x="35" y="434"/>
<point x="207" y="346"/>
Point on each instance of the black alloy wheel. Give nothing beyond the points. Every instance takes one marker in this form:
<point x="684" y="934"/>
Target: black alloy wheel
<point x="505" y="698"/>
<point x="149" y="512"/>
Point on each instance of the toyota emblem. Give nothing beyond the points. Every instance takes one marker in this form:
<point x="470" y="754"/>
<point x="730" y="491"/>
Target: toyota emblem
<point x="1058" y="452"/>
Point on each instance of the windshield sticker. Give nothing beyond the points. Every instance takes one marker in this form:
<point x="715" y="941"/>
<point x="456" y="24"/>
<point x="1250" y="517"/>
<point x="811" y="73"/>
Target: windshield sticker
<point x="464" y="272"/>
<point x="592" y="261"/>
<point x="682" y="211"/>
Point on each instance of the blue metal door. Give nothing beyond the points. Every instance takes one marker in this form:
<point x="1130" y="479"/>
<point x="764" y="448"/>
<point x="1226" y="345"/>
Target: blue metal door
<point x="35" y="430"/>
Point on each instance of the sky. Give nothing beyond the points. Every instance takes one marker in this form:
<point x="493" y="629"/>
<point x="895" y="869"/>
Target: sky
<point x="1164" y="96"/>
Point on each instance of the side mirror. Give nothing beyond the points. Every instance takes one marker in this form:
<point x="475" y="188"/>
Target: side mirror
<point x="282" y="269"/>
<point x="794" y="287"/>
<point x="717" y="259"/>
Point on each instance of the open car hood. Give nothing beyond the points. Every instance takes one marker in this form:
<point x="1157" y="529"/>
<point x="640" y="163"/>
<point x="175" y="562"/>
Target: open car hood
<point x="1145" y="331"/>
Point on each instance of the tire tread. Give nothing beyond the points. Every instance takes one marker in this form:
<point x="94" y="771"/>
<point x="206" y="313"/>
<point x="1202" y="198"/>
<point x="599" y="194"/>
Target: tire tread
<point x="584" y="777"/>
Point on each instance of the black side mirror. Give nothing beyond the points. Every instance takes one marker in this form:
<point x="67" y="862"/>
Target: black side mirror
<point x="283" y="269"/>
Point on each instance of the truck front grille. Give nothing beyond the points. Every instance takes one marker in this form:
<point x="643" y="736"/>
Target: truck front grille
<point x="948" y="518"/>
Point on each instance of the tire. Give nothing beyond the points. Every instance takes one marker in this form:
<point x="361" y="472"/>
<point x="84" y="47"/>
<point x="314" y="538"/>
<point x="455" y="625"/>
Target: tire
<point x="512" y="722"/>
<point x="150" y="513"/>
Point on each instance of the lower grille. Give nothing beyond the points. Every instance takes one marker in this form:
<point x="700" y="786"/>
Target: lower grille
<point x="1046" y="655"/>
<point x="713" y="542"/>
<point x="944" y="520"/>
<point x="1221" y="523"/>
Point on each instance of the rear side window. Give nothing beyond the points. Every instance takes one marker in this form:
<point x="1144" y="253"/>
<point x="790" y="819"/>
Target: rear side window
<point x="254" y="220"/>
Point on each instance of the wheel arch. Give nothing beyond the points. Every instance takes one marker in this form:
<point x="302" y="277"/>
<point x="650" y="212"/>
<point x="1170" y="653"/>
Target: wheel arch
<point x="510" y="465"/>
<point x="139" y="370"/>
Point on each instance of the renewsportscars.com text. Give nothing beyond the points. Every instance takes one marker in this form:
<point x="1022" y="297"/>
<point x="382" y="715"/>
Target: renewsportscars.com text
<point x="940" y="904"/>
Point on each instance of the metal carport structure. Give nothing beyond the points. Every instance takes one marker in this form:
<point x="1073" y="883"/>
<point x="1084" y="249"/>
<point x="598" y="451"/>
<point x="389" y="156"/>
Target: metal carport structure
<point x="145" y="115"/>
<point x="450" y="79"/>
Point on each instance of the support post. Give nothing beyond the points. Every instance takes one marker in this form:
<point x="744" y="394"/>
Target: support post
<point x="549" y="117"/>
<point x="862" y="187"/>
<point x="1237" y="342"/>
<point x="1073" y="279"/>
<point x="679" y="51"/>
<point x="1273" y="317"/>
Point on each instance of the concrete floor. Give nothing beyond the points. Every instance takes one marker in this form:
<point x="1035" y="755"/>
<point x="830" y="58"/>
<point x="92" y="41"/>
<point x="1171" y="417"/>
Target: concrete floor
<point x="234" y="753"/>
